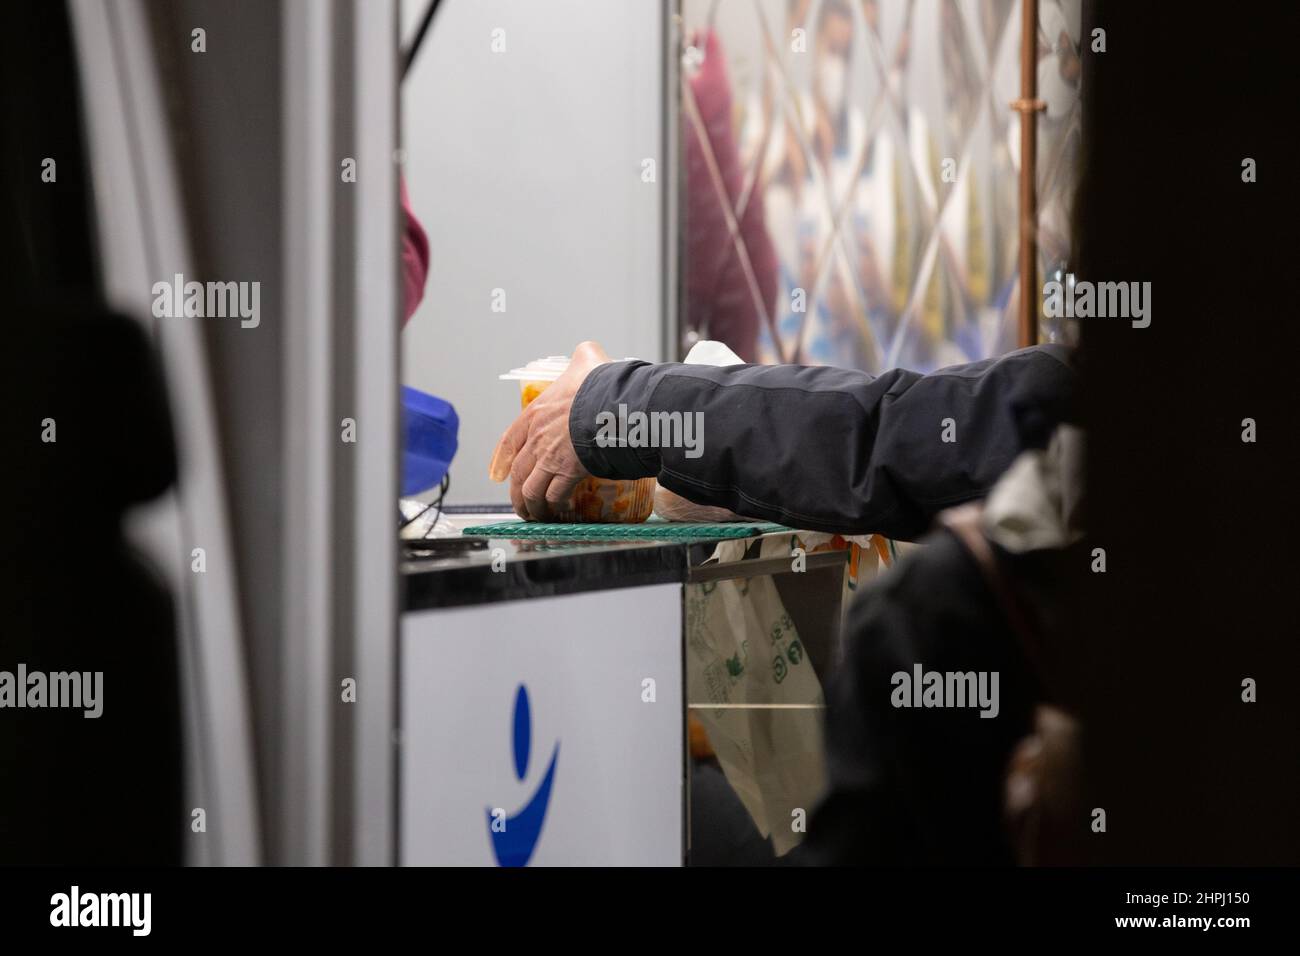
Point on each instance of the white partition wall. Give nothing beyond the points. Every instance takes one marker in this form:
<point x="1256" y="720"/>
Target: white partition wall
<point x="537" y="732"/>
<point x="526" y="128"/>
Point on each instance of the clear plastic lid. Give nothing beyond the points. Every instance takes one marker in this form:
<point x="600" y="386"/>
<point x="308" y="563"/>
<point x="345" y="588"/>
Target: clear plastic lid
<point x="538" y="370"/>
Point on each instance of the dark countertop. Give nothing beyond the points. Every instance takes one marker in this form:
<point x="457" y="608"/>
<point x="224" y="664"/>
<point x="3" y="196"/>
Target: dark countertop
<point x="536" y="568"/>
<point x="458" y="571"/>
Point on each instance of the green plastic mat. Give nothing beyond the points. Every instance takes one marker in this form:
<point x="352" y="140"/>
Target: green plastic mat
<point x="623" y="532"/>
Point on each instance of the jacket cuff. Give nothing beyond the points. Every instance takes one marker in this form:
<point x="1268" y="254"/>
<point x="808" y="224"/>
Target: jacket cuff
<point x="609" y="386"/>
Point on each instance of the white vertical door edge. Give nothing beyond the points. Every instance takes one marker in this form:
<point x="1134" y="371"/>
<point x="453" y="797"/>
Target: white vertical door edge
<point x="142" y="238"/>
<point x="376" y="327"/>
<point x="304" y="784"/>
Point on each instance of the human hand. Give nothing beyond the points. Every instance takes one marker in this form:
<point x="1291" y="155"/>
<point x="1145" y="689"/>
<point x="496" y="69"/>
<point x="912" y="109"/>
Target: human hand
<point x="536" y="452"/>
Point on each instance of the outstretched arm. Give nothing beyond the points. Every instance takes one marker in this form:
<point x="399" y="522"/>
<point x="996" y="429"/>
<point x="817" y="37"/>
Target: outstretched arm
<point x="820" y="448"/>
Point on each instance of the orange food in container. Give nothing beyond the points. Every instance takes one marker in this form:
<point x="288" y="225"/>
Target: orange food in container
<point x="595" y="500"/>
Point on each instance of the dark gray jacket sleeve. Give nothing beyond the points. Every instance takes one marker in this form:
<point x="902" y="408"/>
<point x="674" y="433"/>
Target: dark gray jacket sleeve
<point x="819" y="448"/>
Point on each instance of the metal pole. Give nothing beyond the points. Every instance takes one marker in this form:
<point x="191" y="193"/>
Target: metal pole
<point x="1028" y="106"/>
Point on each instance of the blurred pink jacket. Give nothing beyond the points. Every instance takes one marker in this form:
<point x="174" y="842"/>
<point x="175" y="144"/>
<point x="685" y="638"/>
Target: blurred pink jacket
<point x="719" y="297"/>
<point x="415" y="258"/>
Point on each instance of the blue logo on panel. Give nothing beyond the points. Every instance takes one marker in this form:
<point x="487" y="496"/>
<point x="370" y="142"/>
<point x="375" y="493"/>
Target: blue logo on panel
<point x="515" y="837"/>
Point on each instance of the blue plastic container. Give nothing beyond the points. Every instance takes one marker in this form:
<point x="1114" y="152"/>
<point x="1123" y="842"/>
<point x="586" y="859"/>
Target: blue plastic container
<point x="429" y="429"/>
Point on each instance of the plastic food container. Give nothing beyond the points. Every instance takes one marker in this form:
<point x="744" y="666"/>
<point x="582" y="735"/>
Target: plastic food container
<point x="535" y="376"/>
<point x="595" y="500"/>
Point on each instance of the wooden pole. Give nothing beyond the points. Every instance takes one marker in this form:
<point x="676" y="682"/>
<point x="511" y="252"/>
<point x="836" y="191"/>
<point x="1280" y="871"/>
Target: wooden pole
<point x="1028" y="106"/>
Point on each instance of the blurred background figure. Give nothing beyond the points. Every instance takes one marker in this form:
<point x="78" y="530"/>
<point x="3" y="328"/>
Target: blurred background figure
<point x="730" y="262"/>
<point x="878" y="139"/>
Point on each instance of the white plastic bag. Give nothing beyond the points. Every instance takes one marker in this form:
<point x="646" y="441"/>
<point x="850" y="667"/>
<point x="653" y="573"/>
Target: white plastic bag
<point x="672" y="507"/>
<point x="744" y="652"/>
